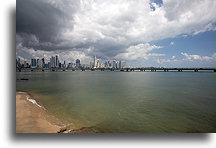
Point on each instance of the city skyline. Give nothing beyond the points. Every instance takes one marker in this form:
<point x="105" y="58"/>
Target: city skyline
<point x="142" y="33"/>
<point x="54" y="62"/>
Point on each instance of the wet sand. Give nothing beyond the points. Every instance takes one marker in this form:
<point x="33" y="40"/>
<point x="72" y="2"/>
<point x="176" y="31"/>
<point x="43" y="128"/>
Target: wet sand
<point x="31" y="117"/>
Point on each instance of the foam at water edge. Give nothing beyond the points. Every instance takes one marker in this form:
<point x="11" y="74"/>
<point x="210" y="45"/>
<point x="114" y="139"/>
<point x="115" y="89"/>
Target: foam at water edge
<point x="21" y="92"/>
<point x="34" y="102"/>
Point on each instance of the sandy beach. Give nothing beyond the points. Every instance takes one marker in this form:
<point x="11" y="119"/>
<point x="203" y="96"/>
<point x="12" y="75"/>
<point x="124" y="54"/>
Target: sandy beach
<point x="31" y="117"/>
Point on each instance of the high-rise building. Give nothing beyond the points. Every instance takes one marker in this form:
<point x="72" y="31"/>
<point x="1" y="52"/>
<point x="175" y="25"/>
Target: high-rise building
<point x="78" y="64"/>
<point x="109" y="64"/>
<point x="18" y="63"/>
<point x="70" y="65"/>
<point x="91" y="64"/>
<point x="114" y="64"/>
<point x="25" y="64"/>
<point x="33" y="63"/>
<point x="39" y="63"/>
<point x="43" y="63"/>
<point x="122" y="64"/>
<point x="48" y="65"/>
<point x="56" y="62"/>
<point x="64" y="65"/>
<point x="117" y="64"/>
<point x="95" y="62"/>
<point x="37" y="60"/>
<point x="52" y="62"/>
<point x="98" y="65"/>
<point x="106" y="64"/>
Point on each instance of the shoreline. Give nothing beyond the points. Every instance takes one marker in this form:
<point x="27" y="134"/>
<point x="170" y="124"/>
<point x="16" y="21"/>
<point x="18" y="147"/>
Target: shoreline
<point x="32" y="117"/>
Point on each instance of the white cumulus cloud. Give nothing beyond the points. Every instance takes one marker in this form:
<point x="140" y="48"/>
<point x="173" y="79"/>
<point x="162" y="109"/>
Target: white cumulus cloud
<point x="192" y="57"/>
<point x="139" y="51"/>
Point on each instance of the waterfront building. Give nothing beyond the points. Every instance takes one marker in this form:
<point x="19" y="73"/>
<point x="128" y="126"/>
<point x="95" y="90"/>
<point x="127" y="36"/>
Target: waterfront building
<point x="48" y="65"/>
<point x="95" y="62"/>
<point x="78" y="64"/>
<point x="117" y="64"/>
<point x="56" y="62"/>
<point x="17" y="64"/>
<point x="122" y="64"/>
<point x="33" y="63"/>
<point x="53" y="62"/>
<point x="43" y="62"/>
<point x="70" y="65"/>
<point x="64" y="65"/>
<point x="91" y="64"/>
<point x="109" y="64"/>
<point x="25" y="64"/>
<point x="39" y="63"/>
<point x="106" y="64"/>
<point x="101" y="65"/>
<point x="114" y="64"/>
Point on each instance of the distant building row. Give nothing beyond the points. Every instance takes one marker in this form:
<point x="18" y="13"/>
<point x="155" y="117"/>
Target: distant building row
<point x="55" y="63"/>
<point x="96" y="63"/>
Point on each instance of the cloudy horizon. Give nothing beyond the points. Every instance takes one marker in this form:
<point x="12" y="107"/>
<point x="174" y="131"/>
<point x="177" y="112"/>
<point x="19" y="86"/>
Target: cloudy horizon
<point x="143" y="33"/>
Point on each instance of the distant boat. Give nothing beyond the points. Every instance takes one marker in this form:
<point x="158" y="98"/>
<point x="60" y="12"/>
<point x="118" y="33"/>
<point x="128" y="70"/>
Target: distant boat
<point x="24" y="79"/>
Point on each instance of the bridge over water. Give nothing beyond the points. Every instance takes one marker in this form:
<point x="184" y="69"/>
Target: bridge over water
<point x="152" y="69"/>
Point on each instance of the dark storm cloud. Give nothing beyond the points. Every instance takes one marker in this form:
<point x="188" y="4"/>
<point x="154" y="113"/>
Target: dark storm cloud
<point x="38" y="18"/>
<point x="39" y="24"/>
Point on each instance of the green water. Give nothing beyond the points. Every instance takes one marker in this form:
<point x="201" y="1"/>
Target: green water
<point x="127" y="101"/>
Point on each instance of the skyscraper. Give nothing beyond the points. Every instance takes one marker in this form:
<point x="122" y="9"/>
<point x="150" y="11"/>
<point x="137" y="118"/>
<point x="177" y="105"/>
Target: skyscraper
<point x="39" y="63"/>
<point x="106" y="64"/>
<point x="95" y="62"/>
<point x="122" y="64"/>
<point x="18" y="63"/>
<point x="43" y="63"/>
<point x="78" y="63"/>
<point x="25" y="64"/>
<point x="64" y="65"/>
<point x="98" y="65"/>
<point x="56" y="62"/>
<point x="114" y="64"/>
<point x="33" y="63"/>
<point x="52" y="62"/>
<point x="91" y="64"/>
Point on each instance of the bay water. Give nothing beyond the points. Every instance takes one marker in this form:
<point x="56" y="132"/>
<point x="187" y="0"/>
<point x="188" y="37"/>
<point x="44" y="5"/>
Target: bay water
<point x="113" y="101"/>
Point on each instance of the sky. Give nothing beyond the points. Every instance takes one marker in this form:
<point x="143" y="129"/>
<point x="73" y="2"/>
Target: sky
<point x="158" y="33"/>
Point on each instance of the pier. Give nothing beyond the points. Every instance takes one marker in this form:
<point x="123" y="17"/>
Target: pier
<point x="151" y="69"/>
